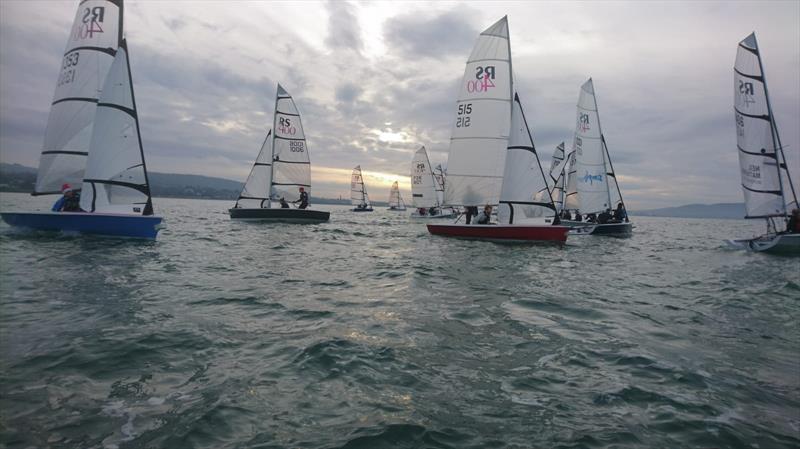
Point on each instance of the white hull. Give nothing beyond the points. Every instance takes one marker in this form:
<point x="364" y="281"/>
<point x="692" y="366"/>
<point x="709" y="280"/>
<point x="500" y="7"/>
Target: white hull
<point x="775" y="243"/>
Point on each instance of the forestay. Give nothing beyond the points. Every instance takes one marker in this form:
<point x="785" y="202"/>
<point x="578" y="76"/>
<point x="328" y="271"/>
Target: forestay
<point x="95" y="36"/>
<point x="291" y="167"/>
<point x="255" y="193"/>
<point x="358" y="191"/>
<point x="423" y="183"/>
<point x="115" y="179"/>
<point x="477" y="154"/>
<point x="591" y="177"/>
<point x="523" y="180"/>
<point x="756" y="135"/>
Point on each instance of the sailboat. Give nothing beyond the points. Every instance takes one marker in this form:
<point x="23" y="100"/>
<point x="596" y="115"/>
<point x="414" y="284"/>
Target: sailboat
<point x="492" y="159"/>
<point x="558" y="173"/>
<point x="358" y="192"/>
<point x="766" y="181"/>
<point x="92" y="139"/>
<point x="426" y="188"/>
<point x="281" y="172"/>
<point x="589" y="175"/>
<point x="395" y="200"/>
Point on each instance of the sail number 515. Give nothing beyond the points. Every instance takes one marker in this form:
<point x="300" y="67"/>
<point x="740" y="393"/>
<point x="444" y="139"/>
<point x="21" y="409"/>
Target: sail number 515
<point x="462" y="119"/>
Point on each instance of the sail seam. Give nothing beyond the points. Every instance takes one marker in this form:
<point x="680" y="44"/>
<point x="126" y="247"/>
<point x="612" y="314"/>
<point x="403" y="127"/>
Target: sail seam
<point x="139" y="187"/>
<point x="74" y="153"/>
<point x="292" y="162"/>
<point x="124" y="109"/>
<point x="770" y="192"/>
<point x="107" y="50"/>
<point x="762" y="117"/>
<point x="86" y="99"/>
<point x="287" y="138"/>
<point x="755" y="77"/>
<point x="752" y="153"/>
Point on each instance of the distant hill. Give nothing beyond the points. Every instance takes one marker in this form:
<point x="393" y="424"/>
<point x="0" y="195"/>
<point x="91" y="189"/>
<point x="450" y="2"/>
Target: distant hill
<point x="19" y="178"/>
<point x="719" y="210"/>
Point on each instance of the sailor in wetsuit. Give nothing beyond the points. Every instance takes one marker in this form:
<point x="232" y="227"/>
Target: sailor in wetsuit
<point x="485" y="217"/>
<point x="69" y="202"/>
<point x="284" y="204"/>
<point x="303" y="199"/>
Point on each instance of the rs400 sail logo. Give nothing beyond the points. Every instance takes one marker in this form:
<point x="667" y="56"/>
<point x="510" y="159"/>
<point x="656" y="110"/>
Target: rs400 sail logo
<point x="484" y="79"/>
<point x="583" y="122"/>
<point x="91" y="23"/>
<point x="746" y="90"/>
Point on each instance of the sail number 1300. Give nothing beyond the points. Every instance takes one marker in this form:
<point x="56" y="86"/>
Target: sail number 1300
<point x="462" y="118"/>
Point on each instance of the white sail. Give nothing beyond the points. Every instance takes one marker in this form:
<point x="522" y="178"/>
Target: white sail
<point x="523" y="178"/>
<point x="757" y="138"/>
<point x="255" y="191"/>
<point x="440" y="175"/>
<point x="395" y="200"/>
<point x="115" y="180"/>
<point x="571" y="197"/>
<point x="592" y="180"/>
<point x="477" y="154"/>
<point x="93" y="41"/>
<point x="423" y="183"/>
<point x="291" y="167"/>
<point x="358" y="191"/>
<point x="558" y="176"/>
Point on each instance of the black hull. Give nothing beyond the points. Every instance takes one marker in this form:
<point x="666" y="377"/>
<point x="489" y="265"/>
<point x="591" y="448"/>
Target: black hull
<point x="280" y="215"/>
<point x="610" y="229"/>
<point x="369" y="209"/>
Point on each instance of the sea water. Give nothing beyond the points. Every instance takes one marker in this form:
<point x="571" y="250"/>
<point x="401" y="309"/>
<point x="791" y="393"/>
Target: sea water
<point x="367" y="332"/>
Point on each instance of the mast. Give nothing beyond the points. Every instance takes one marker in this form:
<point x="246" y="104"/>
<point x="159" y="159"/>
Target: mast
<point x="272" y="152"/>
<point x="148" y="208"/>
<point x="776" y="138"/>
<point x="603" y="143"/>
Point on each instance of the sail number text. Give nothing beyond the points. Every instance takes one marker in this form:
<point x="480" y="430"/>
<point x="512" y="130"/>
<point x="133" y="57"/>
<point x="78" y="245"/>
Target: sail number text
<point x="68" y="67"/>
<point x="296" y="146"/>
<point x="463" y="119"/>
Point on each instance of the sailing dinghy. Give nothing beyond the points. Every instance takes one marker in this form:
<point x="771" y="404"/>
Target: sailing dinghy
<point x="492" y="159"/>
<point x="766" y="181"/>
<point x="425" y="188"/>
<point x="589" y="175"/>
<point x="92" y="139"/>
<point x="281" y="170"/>
<point x="395" y="200"/>
<point x="358" y="192"/>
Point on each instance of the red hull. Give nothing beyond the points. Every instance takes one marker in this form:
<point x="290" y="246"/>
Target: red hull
<point x="502" y="232"/>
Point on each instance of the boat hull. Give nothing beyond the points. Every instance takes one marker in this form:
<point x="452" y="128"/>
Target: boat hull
<point x="611" y="229"/>
<point x="369" y="209"/>
<point x="786" y="244"/>
<point x="118" y="225"/>
<point x="280" y="215"/>
<point x="398" y="209"/>
<point x="522" y="233"/>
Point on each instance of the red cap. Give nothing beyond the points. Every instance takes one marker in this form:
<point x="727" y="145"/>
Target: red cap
<point x="66" y="188"/>
<point x="302" y="190"/>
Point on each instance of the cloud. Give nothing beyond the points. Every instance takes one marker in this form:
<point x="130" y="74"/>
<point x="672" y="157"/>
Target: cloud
<point x="449" y="33"/>
<point x="343" y="28"/>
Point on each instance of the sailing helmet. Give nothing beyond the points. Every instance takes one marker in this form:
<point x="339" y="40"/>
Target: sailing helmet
<point x="66" y="188"/>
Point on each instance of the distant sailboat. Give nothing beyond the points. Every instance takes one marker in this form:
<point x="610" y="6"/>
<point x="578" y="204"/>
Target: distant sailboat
<point x="589" y="190"/>
<point x="358" y="192"/>
<point x="281" y="172"/>
<point x="492" y="159"/>
<point x="766" y="181"/>
<point x="558" y="175"/>
<point x="395" y="199"/>
<point x="426" y="188"/>
<point x="92" y="140"/>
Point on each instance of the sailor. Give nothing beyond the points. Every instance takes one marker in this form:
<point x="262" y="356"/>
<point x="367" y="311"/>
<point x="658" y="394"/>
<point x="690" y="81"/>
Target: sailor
<point x="485" y="217"/>
<point x="591" y="218"/>
<point x="619" y="212"/>
<point x="284" y="204"/>
<point x="604" y="216"/>
<point x="303" y="200"/>
<point x="69" y="202"/>
<point x="432" y="211"/>
<point x="578" y="216"/>
<point x="469" y="211"/>
<point x="793" y="225"/>
<point x="421" y="211"/>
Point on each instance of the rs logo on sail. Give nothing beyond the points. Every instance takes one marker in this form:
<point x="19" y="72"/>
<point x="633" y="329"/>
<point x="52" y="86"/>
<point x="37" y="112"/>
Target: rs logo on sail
<point x="90" y="23"/>
<point x="747" y="91"/>
<point x="583" y="122"/>
<point x="591" y="178"/>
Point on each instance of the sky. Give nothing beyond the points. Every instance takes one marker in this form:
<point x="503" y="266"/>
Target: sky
<point x="375" y="80"/>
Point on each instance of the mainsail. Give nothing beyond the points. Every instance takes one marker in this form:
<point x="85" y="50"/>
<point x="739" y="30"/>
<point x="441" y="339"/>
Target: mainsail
<point x="93" y="41"/>
<point x="763" y="165"/>
<point x="571" y="197"/>
<point x="291" y="167"/>
<point x="423" y="182"/>
<point x="524" y="191"/>
<point x="255" y="192"/>
<point x="395" y="200"/>
<point x="558" y="175"/>
<point x="358" y="191"/>
<point x="592" y="172"/>
<point x="477" y="154"/>
<point x="115" y="180"/>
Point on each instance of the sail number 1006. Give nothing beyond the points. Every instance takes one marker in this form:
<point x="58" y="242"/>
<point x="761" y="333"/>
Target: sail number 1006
<point x="462" y="118"/>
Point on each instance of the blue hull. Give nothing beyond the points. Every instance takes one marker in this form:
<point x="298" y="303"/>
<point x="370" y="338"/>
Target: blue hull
<point x="87" y="223"/>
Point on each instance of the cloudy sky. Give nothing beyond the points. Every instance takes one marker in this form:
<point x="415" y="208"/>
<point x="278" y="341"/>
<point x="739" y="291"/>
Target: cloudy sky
<point x="374" y="80"/>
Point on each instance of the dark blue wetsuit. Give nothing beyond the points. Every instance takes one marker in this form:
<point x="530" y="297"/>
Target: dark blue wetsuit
<point x="303" y="200"/>
<point x="71" y="204"/>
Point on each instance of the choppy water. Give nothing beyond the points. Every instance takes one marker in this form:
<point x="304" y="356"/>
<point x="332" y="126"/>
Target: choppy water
<point x="366" y="332"/>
